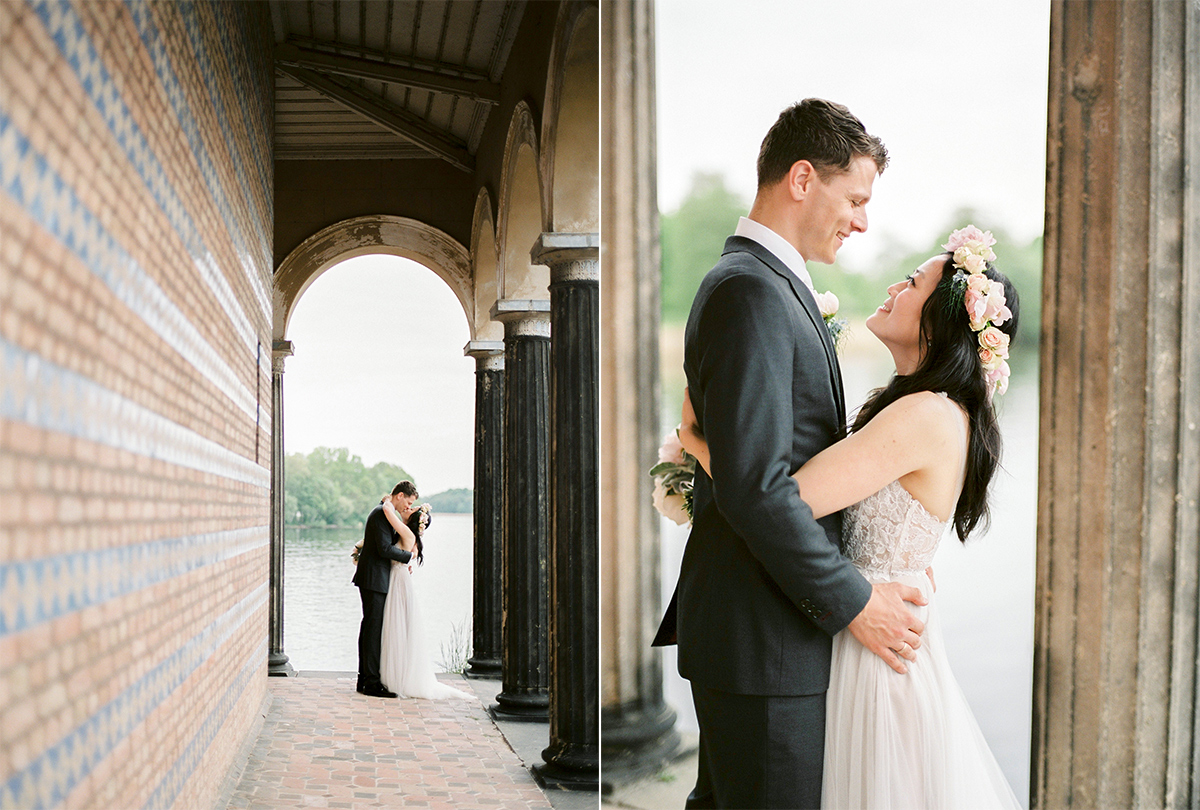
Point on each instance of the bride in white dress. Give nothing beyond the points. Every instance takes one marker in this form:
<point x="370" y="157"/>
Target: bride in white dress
<point x="405" y="664"/>
<point x="919" y="458"/>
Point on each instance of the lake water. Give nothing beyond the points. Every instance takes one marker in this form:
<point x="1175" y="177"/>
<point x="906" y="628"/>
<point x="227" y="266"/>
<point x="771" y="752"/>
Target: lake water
<point x="322" y="609"/>
<point x="985" y="590"/>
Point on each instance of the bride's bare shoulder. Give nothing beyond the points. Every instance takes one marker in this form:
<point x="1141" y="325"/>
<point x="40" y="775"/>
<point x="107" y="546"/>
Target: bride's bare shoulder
<point x="923" y="417"/>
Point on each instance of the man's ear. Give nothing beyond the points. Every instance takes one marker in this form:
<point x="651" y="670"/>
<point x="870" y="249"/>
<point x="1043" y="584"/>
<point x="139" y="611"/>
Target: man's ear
<point x="799" y="179"/>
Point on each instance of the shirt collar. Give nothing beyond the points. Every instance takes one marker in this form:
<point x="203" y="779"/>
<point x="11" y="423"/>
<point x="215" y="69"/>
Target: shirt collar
<point x="780" y="247"/>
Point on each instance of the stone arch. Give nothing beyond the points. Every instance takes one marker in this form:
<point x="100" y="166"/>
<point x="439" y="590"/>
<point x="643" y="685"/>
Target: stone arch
<point x="380" y="233"/>
<point x="520" y="214"/>
<point x="485" y="263"/>
<point x="570" y="157"/>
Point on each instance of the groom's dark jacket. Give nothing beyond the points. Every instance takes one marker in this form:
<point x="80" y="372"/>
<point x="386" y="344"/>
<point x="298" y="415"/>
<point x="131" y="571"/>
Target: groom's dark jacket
<point x="763" y="586"/>
<point x="375" y="559"/>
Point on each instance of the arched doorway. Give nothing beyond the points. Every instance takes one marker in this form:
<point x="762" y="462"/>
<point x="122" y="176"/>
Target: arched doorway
<point x="379" y="392"/>
<point x="387" y="235"/>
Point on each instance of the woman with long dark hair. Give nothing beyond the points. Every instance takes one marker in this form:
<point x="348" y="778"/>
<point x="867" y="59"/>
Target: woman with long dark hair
<point x="919" y="458"/>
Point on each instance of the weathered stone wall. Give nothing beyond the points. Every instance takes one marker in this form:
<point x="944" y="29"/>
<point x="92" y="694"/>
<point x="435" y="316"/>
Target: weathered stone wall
<point x="1118" y="558"/>
<point x="135" y="389"/>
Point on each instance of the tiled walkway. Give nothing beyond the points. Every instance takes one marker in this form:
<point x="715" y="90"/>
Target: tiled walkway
<point x="324" y="745"/>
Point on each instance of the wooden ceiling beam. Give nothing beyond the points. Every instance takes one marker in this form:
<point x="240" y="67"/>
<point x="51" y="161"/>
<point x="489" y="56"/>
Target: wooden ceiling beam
<point x="389" y="116"/>
<point x="377" y="68"/>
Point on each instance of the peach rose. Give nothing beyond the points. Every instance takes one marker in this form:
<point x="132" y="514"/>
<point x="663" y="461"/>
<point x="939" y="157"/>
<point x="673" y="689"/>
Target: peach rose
<point x="974" y="263"/>
<point x="992" y="338"/>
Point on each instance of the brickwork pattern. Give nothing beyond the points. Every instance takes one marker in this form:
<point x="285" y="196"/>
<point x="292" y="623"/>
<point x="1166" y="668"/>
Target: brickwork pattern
<point x="324" y="745"/>
<point x="135" y="388"/>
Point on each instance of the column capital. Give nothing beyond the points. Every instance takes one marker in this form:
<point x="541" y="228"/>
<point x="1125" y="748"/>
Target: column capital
<point x="488" y="354"/>
<point x="523" y="317"/>
<point x="570" y="256"/>
<point x="280" y="351"/>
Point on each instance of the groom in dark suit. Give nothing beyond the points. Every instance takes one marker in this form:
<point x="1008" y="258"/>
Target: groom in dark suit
<point x="763" y="586"/>
<point x="372" y="578"/>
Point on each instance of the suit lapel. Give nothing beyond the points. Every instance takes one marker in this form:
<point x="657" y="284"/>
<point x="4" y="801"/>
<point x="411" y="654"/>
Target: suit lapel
<point x="807" y="302"/>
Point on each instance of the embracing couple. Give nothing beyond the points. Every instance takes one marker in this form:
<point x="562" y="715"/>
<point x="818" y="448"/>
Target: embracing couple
<point x="393" y="658"/>
<point x="804" y="611"/>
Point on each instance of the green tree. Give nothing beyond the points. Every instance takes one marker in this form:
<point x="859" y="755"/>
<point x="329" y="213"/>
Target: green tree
<point x="694" y="234"/>
<point x="453" y="500"/>
<point x="331" y="487"/>
<point x="692" y="239"/>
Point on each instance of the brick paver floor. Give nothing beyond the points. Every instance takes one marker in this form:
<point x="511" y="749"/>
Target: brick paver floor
<point x="324" y="745"/>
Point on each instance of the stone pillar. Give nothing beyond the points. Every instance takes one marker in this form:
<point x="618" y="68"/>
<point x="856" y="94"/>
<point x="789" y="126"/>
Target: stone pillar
<point x="525" y="675"/>
<point x="638" y="727"/>
<point x="488" y="508"/>
<point x="1115" y="666"/>
<point x="573" y="758"/>
<point x="277" y="660"/>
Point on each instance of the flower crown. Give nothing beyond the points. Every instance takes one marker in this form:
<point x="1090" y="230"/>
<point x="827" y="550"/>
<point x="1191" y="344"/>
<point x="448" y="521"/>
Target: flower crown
<point x="423" y="521"/>
<point x="984" y="300"/>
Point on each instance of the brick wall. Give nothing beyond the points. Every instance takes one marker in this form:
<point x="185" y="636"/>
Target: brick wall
<point x="135" y="391"/>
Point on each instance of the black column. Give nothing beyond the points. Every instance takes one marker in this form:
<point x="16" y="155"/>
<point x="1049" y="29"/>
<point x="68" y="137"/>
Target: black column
<point x="277" y="660"/>
<point x="525" y="670"/>
<point x="573" y="758"/>
<point x="486" y="641"/>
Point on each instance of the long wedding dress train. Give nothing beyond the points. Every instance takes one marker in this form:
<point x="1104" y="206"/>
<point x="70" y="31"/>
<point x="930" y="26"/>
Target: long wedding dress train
<point x="902" y="741"/>
<point x="405" y="665"/>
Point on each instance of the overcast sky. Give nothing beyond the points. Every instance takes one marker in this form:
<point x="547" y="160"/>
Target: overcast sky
<point x="957" y="91"/>
<point x="379" y="368"/>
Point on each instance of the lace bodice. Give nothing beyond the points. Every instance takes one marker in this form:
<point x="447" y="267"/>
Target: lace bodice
<point x="890" y="533"/>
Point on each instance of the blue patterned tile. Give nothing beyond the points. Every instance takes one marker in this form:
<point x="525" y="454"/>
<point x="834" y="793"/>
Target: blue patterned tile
<point x="152" y="40"/>
<point x="66" y="29"/>
<point x="167" y="791"/>
<point x="49" y="779"/>
<point x="34" y="186"/>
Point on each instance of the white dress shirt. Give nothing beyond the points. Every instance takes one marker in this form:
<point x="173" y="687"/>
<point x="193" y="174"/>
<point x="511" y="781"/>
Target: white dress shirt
<point x="780" y="247"/>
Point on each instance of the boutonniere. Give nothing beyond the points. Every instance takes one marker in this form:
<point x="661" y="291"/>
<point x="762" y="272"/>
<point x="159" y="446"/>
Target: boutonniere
<point x="827" y="304"/>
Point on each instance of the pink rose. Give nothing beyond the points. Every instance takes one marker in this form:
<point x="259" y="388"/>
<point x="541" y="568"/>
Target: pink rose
<point x="671" y="449"/>
<point x="976" y="302"/>
<point x="995" y="309"/>
<point x="989" y="358"/>
<point x="971" y="237"/>
<point x="979" y="282"/>
<point x="999" y="377"/>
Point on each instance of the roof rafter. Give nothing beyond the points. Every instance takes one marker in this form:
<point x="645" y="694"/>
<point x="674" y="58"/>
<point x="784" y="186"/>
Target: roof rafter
<point x="377" y="67"/>
<point x="389" y="116"/>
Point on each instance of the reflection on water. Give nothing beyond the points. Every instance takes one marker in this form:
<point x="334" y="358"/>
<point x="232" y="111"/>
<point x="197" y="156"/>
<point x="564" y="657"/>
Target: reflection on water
<point x="985" y="589"/>
<point x="322" y="610"/>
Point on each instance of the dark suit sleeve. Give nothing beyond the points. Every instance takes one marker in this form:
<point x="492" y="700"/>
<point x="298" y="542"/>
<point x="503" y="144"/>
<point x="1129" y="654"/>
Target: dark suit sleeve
<point x="381" y="535"/>
<point x="744" y="368"/>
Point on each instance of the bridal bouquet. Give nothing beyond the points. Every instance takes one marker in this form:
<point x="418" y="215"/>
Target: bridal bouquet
<point x="673" y="476"/>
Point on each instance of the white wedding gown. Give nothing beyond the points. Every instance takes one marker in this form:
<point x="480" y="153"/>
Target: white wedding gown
<point x="405" y="665"/>
<point x="902" y="741"/>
